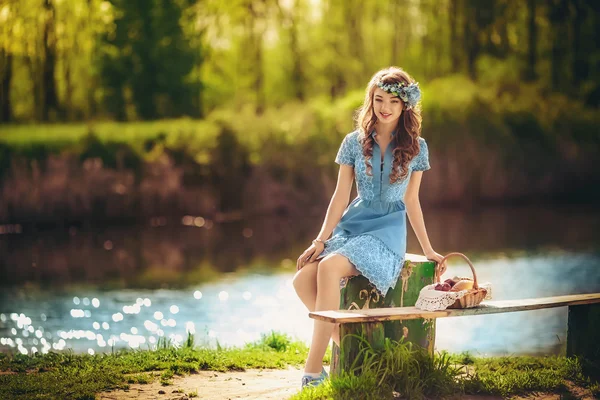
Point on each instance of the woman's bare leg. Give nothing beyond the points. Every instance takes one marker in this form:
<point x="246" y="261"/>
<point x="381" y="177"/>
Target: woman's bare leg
<point x="329" y="272"/>
<point x="305" y="284"/>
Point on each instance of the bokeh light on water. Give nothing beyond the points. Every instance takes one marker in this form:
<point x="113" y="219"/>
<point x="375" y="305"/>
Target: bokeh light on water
<point x="233" y="311"/>
<point x="239" y="308"/>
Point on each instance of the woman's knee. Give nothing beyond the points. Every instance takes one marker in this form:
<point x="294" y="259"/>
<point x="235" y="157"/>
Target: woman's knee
<point x="328" y="269"/>
<point x="306" y="276"/>
<point x="335" y="268"/>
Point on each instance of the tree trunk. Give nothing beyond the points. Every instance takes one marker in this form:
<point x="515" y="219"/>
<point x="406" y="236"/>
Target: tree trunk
<point x="69" y="112"/>
<point x="501" y="18"/>
<point x="530" y="74"/>
<point x="259" y="81"/>
<point x="49" y="96"/>
<point x="334" y="73"/>
<point x="395" y="15"/>
<point x="557" y="16"/>
<point x="426" y="51"/>
<point x="454" y="43"/>
<point x="297" y="72"/>
<point x="37" y="86"/>
<point x="470" y="39"/>
<point x="580" y="54"/>
<point x="257" y="25"/>
<point x="353" y="11"/>
<point x="360" y="294"/>
<point x="5" y="80"/>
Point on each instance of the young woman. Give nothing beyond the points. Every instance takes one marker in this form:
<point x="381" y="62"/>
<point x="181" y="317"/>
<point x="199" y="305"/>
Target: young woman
<point x="387" y="157"/>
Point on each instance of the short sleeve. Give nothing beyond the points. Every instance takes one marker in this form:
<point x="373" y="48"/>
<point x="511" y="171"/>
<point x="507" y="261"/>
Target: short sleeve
<point x="346" y="154"/>
<point x="421" y="162"/>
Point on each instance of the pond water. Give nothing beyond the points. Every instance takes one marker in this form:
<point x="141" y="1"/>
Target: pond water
<point x="97" y="288"/>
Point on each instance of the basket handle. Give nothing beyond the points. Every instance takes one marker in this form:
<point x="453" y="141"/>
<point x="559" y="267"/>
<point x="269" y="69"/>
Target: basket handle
<point x="437" y="271"/>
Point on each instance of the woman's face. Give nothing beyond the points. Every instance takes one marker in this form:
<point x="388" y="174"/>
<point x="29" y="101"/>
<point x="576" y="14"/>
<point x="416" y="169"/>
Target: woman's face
<point x="387" y="107"/>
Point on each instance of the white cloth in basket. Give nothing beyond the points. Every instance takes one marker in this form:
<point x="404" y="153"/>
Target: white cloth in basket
<point x="435" y="300"/>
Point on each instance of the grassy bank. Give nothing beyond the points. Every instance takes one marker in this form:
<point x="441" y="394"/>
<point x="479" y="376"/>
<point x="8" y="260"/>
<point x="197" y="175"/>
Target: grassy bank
<point x="495" y="142"/>
<point x="396" y="368"/>
<point x="79" y="376"/>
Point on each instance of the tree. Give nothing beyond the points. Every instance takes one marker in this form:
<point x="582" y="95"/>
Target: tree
<point x="6" y="114"/>
<point x="530" y="73"/>
<point x="149" y="56"/>
<point x="49" y="100"/>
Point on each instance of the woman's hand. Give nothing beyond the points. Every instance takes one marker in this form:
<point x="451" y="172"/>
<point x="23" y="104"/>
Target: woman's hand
<point x="432" y="255"/>
<point x="310" y="254"/>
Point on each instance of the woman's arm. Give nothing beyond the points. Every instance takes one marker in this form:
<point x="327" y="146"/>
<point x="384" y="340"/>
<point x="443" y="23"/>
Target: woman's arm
<point x="415" y="216"/>
<point x="337" y="205"/>
<point x="339" y="201"/>
<point x="414" y="212"/>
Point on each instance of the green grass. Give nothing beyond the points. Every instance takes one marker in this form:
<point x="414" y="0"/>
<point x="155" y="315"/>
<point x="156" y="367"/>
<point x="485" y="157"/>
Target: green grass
<point x="412" y="374"/>
<point x="396" y="367"/>
<point x="80" y="376"/>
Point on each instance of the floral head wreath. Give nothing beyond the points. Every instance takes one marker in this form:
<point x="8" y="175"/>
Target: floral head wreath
<point x="410" y="94"/>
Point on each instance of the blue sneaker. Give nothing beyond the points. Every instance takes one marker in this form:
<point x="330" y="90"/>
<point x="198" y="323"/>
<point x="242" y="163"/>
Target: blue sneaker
<point x="309" y="381"/>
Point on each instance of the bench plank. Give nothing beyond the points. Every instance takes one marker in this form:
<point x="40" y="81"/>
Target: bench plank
<point x="487" y="307"/>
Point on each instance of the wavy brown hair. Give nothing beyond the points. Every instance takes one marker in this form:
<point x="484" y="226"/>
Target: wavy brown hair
<point x="406" y="138"/>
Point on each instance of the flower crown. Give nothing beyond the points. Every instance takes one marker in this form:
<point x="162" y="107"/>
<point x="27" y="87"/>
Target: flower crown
<point x="410" y="94"/>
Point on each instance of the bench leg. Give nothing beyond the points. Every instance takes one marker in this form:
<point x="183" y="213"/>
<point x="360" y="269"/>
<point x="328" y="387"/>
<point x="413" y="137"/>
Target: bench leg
<point x="373" y="332"/>
<point x="419" y="331"/>
<point x="583" y="331"/>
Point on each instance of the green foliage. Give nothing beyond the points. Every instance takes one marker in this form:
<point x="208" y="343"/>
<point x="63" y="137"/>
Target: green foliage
<point x="150" y="40"/>
<point x="113" y="154"/>
<point x="465" y="358"/>
<point x="80" y="376"/>
<point x="165" y="377"/>
<point x="132" y="60"/>
<point x="142" y="379"/>
<point x="407" y="369"/>
<point x="189" y="342"/>
<point x="400" y="369"/>
<point x="395" y="367"/>
<point x="514" y="119"/>
<point x="502" y="128"/>
<point x="274" y="340"/>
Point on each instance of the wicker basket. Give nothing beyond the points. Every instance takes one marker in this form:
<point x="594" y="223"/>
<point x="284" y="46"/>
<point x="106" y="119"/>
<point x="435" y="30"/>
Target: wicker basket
<point x="474" y="296"/>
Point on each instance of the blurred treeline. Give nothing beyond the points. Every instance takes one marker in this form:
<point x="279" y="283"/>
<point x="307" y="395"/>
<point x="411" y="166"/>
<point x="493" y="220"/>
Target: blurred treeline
<point x="72" y="60"/>
<point x="237" y="108"/>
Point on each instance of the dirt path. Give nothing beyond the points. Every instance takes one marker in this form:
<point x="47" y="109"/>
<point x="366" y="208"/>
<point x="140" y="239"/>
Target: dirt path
<point x="267" y="384"/>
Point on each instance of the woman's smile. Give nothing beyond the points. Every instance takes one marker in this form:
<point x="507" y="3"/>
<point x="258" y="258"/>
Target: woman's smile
<point x="386" y="106"/>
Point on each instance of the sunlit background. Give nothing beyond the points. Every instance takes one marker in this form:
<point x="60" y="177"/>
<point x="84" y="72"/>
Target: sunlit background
<point x="163" y="163"/>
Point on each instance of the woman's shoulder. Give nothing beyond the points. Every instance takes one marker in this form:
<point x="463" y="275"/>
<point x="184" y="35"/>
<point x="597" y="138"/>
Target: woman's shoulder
<point x="355" y="138"/>
<point x="422" y="145"/>
<point x="354" y="135"/>
<point x="352" y="139"/>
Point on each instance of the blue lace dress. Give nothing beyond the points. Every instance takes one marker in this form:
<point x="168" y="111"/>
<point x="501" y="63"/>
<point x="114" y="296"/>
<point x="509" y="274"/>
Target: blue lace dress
<point x="372" y="230"/>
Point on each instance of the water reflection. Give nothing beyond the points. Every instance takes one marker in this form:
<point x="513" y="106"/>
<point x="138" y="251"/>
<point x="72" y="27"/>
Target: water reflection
<point x="71" y="290"/>
<point x="183" y="252"/>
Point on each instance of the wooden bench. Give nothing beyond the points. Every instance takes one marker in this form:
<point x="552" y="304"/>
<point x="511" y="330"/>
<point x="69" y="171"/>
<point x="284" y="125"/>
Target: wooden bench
<point x="583" y="326"/>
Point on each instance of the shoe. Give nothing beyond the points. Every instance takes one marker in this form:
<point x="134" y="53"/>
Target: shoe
<point x="309" y="381"/>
